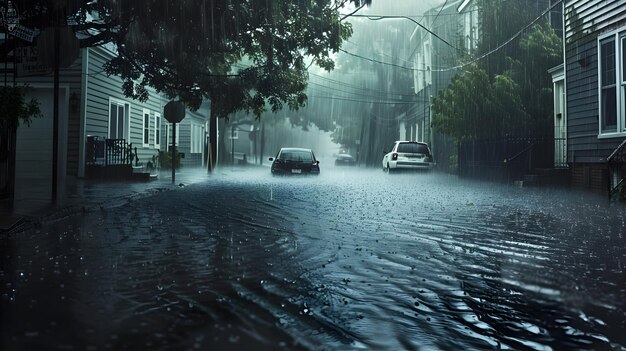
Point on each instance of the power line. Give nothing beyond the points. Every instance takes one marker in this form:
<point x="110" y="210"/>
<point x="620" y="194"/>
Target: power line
<point x="349" y="92"/>
<point x="447" y="69"/>
<point x="432" y="24"/>
<point x="506" y="42"/>
<point x="338" y="82"/>
<point x="357" y="98"/>
<point x="363" y="101"/>
<point x="381" y="62"/>
<point x="371" y="18"/>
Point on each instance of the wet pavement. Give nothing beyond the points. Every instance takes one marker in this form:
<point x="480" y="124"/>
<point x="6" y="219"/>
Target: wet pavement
<point x="33" y="202"/>
<point x="352" y="259"/>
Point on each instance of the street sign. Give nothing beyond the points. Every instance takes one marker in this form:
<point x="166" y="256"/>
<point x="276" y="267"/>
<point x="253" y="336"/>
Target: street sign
<point x="10" y="17"/>
<point x="27" y="62"/>
<point x="24" y="33"/>
<point x="174" y="111"/>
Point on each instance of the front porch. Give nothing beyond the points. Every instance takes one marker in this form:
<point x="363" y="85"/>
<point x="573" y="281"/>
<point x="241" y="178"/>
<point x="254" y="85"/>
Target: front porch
<point x="116" y="159"/>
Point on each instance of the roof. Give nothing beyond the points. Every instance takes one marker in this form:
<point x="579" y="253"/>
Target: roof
<point x="294" y="149"/>
<point x="411" y="141"/>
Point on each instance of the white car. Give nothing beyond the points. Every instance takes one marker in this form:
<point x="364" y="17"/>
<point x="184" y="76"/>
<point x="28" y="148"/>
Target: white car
<point x="408" y="155"/>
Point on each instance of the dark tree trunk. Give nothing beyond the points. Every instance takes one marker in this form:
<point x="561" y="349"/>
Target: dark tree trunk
<point x="212" y="138"/>
<point x="7" y="163"/>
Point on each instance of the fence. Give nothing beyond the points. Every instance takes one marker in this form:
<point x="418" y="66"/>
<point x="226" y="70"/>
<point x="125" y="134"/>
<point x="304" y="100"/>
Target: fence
<point x="505" y="159"/>
<point x="104" y="152"/>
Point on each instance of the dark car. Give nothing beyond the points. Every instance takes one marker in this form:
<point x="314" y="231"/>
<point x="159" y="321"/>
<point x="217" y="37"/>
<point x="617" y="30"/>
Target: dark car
<point x="345" y="160"/>
<point x="291" y="160"/>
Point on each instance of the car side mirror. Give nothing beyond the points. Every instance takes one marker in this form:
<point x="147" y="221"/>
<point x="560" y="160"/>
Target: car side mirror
<point x="271" y="159"/>
<point x="317" y="162"/>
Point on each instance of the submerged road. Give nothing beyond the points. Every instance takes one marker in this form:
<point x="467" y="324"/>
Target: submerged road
<point x="350" y="260"/>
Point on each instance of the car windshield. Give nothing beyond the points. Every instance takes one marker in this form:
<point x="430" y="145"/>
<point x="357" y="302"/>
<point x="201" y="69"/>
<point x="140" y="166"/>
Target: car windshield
<point x="413" y="148"/>
<point x="296" y="155"/>
<point x="345" y="156"/>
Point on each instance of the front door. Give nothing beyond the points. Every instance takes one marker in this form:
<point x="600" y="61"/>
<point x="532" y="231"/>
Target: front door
<point x="560" y="126"/>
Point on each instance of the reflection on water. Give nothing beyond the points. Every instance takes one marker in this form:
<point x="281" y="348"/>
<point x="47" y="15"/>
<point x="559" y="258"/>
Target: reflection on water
<point x="346" y="260"/>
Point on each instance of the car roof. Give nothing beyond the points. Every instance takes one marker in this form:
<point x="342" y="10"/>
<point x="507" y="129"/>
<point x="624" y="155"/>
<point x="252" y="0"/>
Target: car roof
<point x="294" y="149"/>
<point x="412" y="142"/>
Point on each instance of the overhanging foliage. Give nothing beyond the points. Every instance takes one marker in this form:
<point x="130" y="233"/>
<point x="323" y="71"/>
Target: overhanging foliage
<point x="241" y="54"/>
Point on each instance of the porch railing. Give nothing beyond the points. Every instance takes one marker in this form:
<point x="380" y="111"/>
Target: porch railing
<point x="560" y="153"/>
<point x="616" y="164"/>
<point x="104" y="152"/>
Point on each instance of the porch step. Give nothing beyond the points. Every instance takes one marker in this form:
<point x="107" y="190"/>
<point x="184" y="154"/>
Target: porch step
<point x="142" y="176"/>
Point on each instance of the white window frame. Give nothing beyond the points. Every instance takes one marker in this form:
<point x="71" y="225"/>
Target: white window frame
<point x="157" y="130"/>
<point x="126" y="105"/>
<point x="620" y="85"/>
<point x="168" y="135"/>
<point x="145" y="129"/>
<point x="197" y="138"/>
<point x="233" y="134"/>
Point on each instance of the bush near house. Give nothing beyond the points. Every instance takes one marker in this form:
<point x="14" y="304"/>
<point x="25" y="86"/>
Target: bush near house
<point x="15" y="109"/>
<point x="165" y="159"/>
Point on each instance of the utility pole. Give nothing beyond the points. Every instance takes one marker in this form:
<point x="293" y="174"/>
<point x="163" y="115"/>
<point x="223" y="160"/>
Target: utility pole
<point x="232" y="145"/>
<point x="262" y="141"/>
<point x="174" y="153"/>
<point x="55" y="116"/>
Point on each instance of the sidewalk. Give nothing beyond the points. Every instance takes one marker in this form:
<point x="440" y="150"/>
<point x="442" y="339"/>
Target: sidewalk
<point x="33" y="205"/>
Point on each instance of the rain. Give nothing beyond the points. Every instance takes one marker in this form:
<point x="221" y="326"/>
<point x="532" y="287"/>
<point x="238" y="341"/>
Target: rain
<point x="296" y="175"/>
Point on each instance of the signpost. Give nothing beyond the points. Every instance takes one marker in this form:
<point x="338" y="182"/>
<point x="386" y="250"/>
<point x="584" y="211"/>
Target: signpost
<point x="174" y="112"/>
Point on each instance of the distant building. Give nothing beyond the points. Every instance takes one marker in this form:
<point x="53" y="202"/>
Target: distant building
<point x="435" y="58"/>
<point x="454" y="37"/>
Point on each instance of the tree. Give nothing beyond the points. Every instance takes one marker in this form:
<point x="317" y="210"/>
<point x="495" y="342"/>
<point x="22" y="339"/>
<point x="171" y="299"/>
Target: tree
<point x="510" y="92"/>
<point x="241" y="54"/>
<point x="474" y="106"/>
<point x="15" y="109"/>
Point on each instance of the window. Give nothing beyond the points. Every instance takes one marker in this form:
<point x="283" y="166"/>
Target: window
<point x="296" y="156"/>
<point x="169" y="135"/>
<point x="612" y="84"/>
<point x="157" y="130"/>
<point x="233" y="133"/>
<point x="146" y="127"/>
<point x="413" y="148"/>
<point x="197" y="138"/>
<point x="119" y="113"/>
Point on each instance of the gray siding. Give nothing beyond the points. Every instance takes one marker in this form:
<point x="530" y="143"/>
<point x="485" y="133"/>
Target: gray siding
<point x="595" y="16"/>
<point x="199" y="117"/>
<point x="584" y="21"/>
<point x="100" y="88"/>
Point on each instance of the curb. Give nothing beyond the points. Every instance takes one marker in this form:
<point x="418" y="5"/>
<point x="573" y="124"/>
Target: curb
<point x="27" y="222"/>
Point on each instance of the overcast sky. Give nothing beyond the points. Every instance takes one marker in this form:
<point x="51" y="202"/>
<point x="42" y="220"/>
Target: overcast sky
<point x="411" y="8"/>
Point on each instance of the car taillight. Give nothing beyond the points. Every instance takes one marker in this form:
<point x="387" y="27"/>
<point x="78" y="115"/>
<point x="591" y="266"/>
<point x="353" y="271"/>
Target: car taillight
<point x="394" y="156"/>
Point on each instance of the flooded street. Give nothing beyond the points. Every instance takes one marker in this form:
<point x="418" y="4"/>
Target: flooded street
<point x="352" y="259"/>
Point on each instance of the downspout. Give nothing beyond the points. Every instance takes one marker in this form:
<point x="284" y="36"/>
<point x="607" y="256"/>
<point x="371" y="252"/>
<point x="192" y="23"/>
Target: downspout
<point x="83" y="116"/>
<point x="565" y="115"/>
